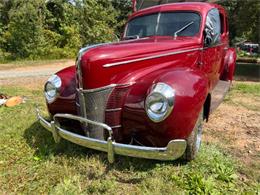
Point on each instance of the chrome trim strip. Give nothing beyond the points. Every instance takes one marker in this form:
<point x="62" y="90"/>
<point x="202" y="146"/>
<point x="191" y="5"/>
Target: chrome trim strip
<point x="98" y="89"/>
<point x="110" y="150"/>
<point x="82" y="105"/>
<point x="212" y="46"/>
<point x="81" y="52"/>
<point x="83" y="141"/>
<point x="80" y="119"/>
<point x="106" y="87"/>
<point x="113" y="110"/>
<point x="132" y="40"/>
<point x="158" y="22"/>
<point x="117" y="126"/>
<point x="172" y="151"/>
<point x="43" y="122"/>
<point x="150" y="57"/>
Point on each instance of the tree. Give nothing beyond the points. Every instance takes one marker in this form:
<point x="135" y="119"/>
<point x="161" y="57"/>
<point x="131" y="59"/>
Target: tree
<point x="62" y="26"/>
<point x="97" y="19"/>
<point x="5" y="6"/>
<point x="244" y="19"/>
<point x="58" y="28"/>
<point x="124" y="8"/>
<point x="25" y="29"/>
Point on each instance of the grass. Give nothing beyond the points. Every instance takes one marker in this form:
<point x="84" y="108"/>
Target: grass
<point x="246" y="88"/>
<point x="31" y="163"/>
<point x="240" y="89"/>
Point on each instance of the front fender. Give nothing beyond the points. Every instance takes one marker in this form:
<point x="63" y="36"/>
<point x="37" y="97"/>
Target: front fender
<point x="191" y="91"/>
<point x="66" y="101"/>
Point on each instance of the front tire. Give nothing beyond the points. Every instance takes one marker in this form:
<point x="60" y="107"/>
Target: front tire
<point x="194" y="139"/>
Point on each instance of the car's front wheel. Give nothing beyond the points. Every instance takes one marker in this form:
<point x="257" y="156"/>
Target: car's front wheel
<point x="194" y="139"/>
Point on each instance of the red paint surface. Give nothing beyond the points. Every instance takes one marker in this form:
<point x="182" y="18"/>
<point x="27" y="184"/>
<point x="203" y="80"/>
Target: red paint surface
<point x="192" y="74"/>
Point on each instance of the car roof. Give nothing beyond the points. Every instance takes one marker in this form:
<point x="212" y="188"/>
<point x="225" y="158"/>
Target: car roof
<point x="200" y="7"/>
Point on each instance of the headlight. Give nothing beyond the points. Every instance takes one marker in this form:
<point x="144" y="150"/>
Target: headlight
<point x="52" y="88"/>
<point x="159" y="103"/>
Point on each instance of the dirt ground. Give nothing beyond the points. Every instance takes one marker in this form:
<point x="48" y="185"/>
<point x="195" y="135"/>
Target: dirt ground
<point x="30" y="65"/>
<point x="235" y="125"/>
<point x="31" y="76"/>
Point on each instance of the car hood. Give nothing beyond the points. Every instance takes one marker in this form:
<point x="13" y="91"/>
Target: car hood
<point x="110" y="60"/>
<point x="125" y="50"/>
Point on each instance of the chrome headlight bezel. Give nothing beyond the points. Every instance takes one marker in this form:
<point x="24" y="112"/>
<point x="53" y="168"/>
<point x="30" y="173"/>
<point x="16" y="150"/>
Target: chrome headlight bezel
<point x="52" y="88"/>
<point x="160" y="102"/>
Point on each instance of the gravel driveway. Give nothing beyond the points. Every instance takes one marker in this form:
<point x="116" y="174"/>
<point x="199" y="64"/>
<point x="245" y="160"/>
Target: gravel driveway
<point x="33" y="71"/>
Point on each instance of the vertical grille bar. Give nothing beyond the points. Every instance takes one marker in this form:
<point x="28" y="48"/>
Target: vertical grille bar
<point x="114" y="110"/>
<point x="93" y="104"/>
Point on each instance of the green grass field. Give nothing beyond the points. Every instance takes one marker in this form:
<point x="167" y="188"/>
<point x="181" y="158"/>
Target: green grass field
<point x="31" y="163"/>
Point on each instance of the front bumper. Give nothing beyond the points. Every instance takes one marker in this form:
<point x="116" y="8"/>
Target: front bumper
<point x="172" y="151"/>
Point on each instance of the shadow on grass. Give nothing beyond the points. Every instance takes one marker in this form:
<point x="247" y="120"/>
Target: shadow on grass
<point x="42" y="142"/>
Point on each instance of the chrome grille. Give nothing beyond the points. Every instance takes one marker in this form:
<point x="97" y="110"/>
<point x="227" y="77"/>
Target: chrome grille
<point x="93" y="105"/>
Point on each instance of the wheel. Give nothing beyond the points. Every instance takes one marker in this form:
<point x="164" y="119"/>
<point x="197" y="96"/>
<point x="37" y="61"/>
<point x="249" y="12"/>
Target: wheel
<point x="194" y="139"/>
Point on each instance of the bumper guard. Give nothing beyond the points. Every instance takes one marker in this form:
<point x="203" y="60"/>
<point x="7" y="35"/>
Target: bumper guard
<point x="172" y="151"/>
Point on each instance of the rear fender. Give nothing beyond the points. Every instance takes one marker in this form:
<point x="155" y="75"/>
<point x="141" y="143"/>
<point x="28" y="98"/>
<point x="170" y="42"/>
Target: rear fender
<point x="229" y="65"/>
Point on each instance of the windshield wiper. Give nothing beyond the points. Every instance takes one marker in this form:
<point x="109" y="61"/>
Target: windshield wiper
<point x="182" y="29"/>
<point x="132" y="37"/>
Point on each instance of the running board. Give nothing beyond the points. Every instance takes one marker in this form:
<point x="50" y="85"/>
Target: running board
<point x="218" y="94"/>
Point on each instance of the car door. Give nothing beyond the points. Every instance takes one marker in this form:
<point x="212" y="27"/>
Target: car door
<point x="213" y="51"/>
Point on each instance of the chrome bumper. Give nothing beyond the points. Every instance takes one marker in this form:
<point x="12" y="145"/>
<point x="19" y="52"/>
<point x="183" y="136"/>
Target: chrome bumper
<point x="174" y="149"/>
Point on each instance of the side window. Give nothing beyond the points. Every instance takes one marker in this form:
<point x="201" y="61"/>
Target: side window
<point x="212" y="28"/>
<point x="222" y="20"/>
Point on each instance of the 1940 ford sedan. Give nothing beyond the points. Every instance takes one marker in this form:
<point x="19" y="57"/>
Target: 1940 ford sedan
<point x="147" y="95"/>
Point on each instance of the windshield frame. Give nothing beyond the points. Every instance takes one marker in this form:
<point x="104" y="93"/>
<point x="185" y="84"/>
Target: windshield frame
<point x="170" y="11"/>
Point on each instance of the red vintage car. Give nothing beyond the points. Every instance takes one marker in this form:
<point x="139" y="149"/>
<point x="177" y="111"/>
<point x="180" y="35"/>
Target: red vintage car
<point x="147" y="95"/>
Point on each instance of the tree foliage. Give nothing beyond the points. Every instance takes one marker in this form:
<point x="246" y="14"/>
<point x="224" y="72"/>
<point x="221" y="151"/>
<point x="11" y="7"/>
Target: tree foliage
<point x="96" y="17"/>
<point x="58" y="28"/>
<point x="244" y="19"/>
<point x="124" y="8"/>
<point x="25" y="29"/>
<point x="55" y="28"/>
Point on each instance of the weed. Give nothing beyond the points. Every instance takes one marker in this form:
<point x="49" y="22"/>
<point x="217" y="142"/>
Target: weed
<point x="247" y="88"/>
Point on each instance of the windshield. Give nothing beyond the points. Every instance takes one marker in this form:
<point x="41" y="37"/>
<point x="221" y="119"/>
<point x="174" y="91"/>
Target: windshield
<point x="164" y="24"/>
